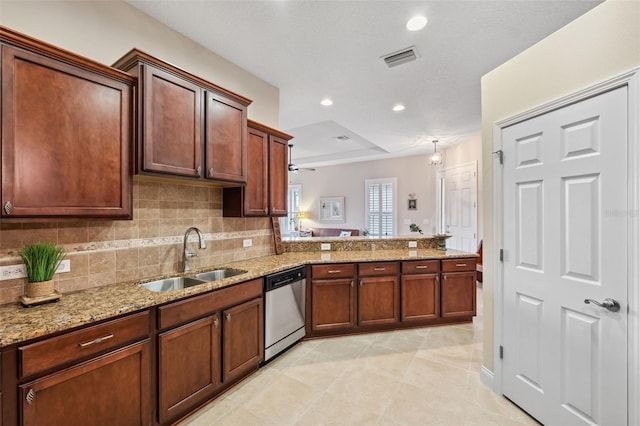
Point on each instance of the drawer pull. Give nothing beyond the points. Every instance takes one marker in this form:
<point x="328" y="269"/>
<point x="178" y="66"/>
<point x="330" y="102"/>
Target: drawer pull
<point x="421" y="267"/>
<point x="379" y="269"/>
<point x="31" y="395"/>
<point x="335" y="271"/>
<point x="96" y="340"/>
<point x="215" y="322"/>
<point x="461" y="264"/>
<point x="228" y="316"/>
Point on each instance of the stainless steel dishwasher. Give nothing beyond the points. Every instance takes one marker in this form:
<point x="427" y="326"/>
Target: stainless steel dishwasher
<point x="284" y="315"/>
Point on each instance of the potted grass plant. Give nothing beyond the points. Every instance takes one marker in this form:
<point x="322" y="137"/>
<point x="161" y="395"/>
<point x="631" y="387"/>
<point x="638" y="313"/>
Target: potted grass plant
<point x="41" y="261"/>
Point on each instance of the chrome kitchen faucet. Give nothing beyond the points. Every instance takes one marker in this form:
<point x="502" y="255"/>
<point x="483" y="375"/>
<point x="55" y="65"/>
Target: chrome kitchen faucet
<point x="187" y="254"/>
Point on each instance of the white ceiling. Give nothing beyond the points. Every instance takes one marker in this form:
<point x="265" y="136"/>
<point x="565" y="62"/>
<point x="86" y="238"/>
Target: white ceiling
<point x="317" y="49"/>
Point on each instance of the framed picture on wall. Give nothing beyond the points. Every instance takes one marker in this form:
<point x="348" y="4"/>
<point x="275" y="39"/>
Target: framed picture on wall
<point x="413" y="204"/>
<point x="332" y="209"/>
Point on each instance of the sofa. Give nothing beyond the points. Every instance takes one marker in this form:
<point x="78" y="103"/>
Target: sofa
<point x="333" y="232"/>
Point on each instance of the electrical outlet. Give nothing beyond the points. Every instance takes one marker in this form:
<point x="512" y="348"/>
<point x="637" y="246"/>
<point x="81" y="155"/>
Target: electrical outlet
<point x="413" y="253"/>
<point x="325" y="256"/>
<point x="413" y="244"/>
<point x="64" y="266"/>
<point x="12" y="272"/>
<point x="247" y="243"/>
<point x="325" y="246"/>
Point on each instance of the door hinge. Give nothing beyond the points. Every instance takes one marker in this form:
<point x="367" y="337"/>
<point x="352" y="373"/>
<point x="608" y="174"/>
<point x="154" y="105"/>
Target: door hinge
<point x="501" y="255"/>
<point x="501" y="352"/>
<point x="500" y="155"/>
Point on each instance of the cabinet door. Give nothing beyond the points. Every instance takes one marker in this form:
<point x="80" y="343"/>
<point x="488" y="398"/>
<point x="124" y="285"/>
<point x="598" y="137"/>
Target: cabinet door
<point x="420" y="296"/>
<point x="333" y="304"/>
<point x="458" y="290"/>
<point x="112" y="389"/>
<point x="189" y="362"/>
<point x="243" y="338"/>
<point x="226" y="139"/>
<point x="378" y="300"/>
<point x="172" y="130"/>
<point x="66" y="140"/>
<point x="278" y="173"/>
<point x="256" y="192"/>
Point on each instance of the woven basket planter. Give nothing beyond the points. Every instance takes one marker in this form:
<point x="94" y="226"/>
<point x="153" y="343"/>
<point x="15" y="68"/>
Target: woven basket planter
<point x="41" y="289"/>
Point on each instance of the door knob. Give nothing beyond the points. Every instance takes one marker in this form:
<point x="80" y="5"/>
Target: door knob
<point x="607" y="303"/>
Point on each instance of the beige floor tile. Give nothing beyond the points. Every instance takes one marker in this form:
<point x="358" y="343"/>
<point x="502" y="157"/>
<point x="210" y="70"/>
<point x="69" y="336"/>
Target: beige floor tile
<point x="283" y="402"/>
<point x="331" y="410"/>
<point x="411" y="405"/>
<point x="239" y="416"/>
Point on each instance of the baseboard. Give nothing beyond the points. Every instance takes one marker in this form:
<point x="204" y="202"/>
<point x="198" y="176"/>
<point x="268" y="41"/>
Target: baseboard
<point x="486" y="377"/>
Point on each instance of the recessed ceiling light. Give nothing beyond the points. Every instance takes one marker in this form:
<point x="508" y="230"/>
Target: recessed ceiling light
<point x="326" y="102"/>
<point x="417" y="23"/>
<point x="398" y="107"/>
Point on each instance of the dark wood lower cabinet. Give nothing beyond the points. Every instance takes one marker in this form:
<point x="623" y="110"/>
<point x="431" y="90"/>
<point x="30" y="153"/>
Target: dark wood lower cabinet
<point x="189" y="360"/>
<point x="458" y="292"/>
<point x="112" y="389"/>
<point x="378" y="300"/>
<point x="420" y="297"/>
<point x="333" y="304"/>
<point x="243" y="337"/>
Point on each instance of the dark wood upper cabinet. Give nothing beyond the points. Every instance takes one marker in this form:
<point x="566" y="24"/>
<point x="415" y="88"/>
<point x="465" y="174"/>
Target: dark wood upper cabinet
<point x="171" y="133"/>
<point x="67" y="132"/>
<point x="226" y="139"/>
<point x="265" y="193"/>
<point x="188" y="127"/>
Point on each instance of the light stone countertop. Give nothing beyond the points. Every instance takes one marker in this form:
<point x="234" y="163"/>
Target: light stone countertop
<point x="19" y="324"/>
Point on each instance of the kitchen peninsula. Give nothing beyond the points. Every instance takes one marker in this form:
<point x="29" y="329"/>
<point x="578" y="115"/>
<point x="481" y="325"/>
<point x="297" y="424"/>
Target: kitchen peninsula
<point x="91" y="334"/>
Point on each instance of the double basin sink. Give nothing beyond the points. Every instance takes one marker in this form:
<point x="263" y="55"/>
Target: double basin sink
<point x="178" y="283"/>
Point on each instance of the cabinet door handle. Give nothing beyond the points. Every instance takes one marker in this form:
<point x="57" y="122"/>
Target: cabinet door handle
<point x="96" y="340"/>
<point x="8" y="207"/>
<point x="334" y="271"/>
<point x="379" y="269"/>
<point x="421" y="267"/>
<point x="351" y="283"/>
<point x="461" y="264"/>
<point x="31" y="395"/>
<point x="266" y="211"/>
<point x="228" y="316"/>
<point x="199" y="170"/>
<point x="360" y="283"/>
<point x="444" y="278"/>
<point x="211" y="171"/>
<point x="216" y="322"/>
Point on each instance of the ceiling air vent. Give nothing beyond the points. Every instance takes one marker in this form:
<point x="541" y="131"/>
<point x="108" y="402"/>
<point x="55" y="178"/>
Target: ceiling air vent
<point x="400" y="57"/>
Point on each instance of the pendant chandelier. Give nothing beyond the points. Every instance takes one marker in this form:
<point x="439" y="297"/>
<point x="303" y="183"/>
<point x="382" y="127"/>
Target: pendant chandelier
<point x="436" y="157"/>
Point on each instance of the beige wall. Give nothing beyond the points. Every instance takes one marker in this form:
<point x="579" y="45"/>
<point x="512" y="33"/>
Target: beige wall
<point x="106" y="30"/>
<point x="601" y="44"/>
<point x="414" y="175"/>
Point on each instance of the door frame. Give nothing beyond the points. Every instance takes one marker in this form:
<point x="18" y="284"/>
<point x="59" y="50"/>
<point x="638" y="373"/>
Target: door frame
<point x="631" y="80"/>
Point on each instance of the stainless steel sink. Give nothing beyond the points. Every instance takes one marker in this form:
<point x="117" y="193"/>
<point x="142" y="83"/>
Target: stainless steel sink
<point x="171" y="284"/>
<point x="219" y="274"/>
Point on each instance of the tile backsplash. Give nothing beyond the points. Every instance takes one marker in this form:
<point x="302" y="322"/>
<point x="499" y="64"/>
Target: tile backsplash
<point x="106" y="252"/>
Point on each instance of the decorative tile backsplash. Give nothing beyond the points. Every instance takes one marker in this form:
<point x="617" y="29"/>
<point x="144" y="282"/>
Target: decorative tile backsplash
<point x="106" y="252"/>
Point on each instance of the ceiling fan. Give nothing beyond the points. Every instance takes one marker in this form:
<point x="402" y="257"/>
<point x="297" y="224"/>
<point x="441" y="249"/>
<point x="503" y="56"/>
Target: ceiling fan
<point x="293" y="168"/>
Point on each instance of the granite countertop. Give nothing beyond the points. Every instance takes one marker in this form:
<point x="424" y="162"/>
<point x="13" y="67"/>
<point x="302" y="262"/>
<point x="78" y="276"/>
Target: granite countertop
<point x="19" y="324"/>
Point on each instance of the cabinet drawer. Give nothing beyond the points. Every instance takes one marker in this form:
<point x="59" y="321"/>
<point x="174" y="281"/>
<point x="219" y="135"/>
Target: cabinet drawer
<point x="335" y="270"/>
<point x="378" y="268"/>
<point x="199" y="306"/>
<point x="420" y="266"/>
<point x="79" y="344"/>
<point x="452" y="265"/>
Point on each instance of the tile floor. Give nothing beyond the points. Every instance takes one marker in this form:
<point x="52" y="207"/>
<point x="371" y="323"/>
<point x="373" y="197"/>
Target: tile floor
<point x="426" y="376"/>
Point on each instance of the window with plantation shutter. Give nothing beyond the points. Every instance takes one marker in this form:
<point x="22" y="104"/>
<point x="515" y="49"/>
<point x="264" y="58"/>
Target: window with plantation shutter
<point x="380" y="206"/>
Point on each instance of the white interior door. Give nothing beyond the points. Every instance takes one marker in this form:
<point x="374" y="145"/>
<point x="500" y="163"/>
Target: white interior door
<point x="460" y="207"/>
<point x="565" y="240"/>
